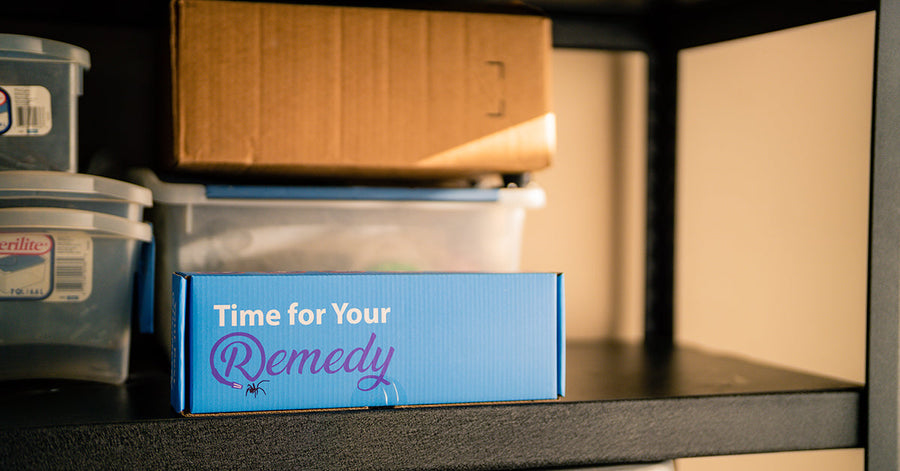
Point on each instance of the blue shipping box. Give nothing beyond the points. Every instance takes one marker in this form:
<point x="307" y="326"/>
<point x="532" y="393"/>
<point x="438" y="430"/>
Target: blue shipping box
<point x="284" y="341"/>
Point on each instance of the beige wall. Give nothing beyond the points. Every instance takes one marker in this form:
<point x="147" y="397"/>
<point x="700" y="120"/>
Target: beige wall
<point x="772" y="204"/>
<point x="773" y="196"/>
<point x="592" y="227"/>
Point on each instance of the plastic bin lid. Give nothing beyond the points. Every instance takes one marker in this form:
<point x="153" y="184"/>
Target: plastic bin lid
<point x="30" y="47"/>
<point x="73" y="184"/>
<point x="531" y="196"/>
<point x="73" y="219"/>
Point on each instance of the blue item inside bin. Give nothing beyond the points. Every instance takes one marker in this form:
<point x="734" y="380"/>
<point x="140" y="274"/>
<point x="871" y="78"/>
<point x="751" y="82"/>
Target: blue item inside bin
<point x="13" y="263"/>
<point x="144" y="284"/>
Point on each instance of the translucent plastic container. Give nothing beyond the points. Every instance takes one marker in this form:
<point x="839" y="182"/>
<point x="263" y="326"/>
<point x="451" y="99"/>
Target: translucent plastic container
<point x="250" y="228"/>
<point x="32" y="188"/>
<point x="66" y="283"/>
<point x="40" y="82"/>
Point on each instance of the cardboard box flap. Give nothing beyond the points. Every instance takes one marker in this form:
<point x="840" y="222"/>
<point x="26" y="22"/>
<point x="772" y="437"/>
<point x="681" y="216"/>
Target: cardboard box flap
<point x="561" y="335"/>
<point x="178" y="386"/>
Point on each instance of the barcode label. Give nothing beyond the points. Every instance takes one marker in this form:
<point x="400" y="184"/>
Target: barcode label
<point x="30" y="110"/>
<point x="31" y="116"/>
<point x="72" y="267"/>
<point x="69" y="274"/>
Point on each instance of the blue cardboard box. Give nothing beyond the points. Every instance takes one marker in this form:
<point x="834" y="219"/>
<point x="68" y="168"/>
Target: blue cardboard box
<point x="283" y="341"/>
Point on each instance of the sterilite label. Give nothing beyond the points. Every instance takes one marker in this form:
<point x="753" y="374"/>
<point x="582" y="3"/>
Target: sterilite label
<point x="53" y="267"/>
<point x="26" y="266"/>
<point x="25" y="110"/>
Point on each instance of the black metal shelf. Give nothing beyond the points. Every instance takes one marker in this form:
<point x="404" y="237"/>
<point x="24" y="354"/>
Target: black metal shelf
<point x="624" y="404"/>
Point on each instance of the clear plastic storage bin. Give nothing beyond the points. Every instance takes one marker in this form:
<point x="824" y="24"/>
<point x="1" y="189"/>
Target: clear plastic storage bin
<point x="217" y="228"/>
<point x="32" y="188"/>
<point x="40" y="82"/>
<point x="66" y="283"/>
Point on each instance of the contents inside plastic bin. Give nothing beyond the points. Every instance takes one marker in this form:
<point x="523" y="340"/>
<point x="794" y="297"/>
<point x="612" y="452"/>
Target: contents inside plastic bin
<point x="66" y="284"/>
<point x="281" y="228"/>
<point x="34" y="188"/>
<point x="40" y="82"/>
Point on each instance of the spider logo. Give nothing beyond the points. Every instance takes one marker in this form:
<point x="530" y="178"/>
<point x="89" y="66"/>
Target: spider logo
<point x="256" y="388"/>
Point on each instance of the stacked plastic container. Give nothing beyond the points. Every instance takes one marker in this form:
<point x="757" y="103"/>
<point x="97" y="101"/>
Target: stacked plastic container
<point x="227" y="228"/>
<point x="40" y="82"/>
<point x="70" y="244"/>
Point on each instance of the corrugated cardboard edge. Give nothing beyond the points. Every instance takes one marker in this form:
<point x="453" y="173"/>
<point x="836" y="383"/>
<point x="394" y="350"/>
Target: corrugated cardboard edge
<point x="560" y="335"/>
<point x="177" y="134"/>
<point x="178" y="377"/>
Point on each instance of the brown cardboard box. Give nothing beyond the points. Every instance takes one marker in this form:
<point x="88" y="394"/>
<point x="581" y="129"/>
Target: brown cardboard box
<point x="345" y="91"/>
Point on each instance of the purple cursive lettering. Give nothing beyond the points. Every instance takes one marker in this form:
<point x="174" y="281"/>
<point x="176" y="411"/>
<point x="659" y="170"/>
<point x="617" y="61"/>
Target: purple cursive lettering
<point x="245" y="357"/>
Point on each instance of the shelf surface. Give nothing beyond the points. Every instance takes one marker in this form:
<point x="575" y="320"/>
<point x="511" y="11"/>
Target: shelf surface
<point x="623" y="404"/>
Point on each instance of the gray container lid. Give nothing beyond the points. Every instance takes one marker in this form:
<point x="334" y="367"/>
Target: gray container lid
<point x="531" y="196"/>
<point x="30" y="47"/>
<point x="73" y="219"/>
<point x="80" y="185"/>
